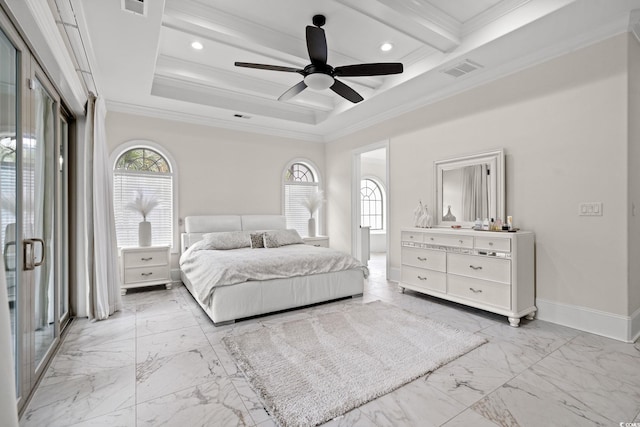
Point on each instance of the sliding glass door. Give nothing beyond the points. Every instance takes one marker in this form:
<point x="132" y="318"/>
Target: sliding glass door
<point x="38" y="184"/>
<point x="34" y="135"/>
<point x="9" y="119"/>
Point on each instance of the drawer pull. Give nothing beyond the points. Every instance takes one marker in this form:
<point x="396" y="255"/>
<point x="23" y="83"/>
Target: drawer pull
<point x="461" y="241"/>
<point x="422" y="278"/>
<point x="146" y="259"/>
<point x="317" y="246"/>
<point x="475" y="268"/>
<point x="431" y="238"/>
<point x="421" y="258"/>
<point x="146" y="274"/>
<point x="475" y="291"/>
<point x="490" y="243"/>
<point x="411" y="237"/>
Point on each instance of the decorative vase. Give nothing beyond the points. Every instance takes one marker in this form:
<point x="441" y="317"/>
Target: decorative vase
<point x="144" y="233"/>
<point x="311" y="230"/>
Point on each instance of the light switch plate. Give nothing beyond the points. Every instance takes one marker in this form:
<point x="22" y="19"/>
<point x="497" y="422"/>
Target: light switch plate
<point x="590" y="209"/>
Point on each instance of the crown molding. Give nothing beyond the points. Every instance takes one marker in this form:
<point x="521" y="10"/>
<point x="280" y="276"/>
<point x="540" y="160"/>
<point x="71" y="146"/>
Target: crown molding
<point x="159" y="113"/>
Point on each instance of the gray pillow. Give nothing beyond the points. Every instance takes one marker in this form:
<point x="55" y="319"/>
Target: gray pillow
<point x="277" y="238"/>
<point x="257" y="240"/>
<point x="227" y="240"/>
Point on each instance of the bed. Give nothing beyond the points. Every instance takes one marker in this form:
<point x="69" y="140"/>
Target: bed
<point x="227" y="297"/>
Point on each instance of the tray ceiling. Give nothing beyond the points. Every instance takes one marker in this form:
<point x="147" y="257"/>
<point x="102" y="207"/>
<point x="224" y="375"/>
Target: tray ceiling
<point x="145" y="63"/>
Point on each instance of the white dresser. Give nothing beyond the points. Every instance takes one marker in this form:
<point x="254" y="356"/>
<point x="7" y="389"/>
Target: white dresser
<point x="493" y="271"/>
<point x="146" y="266"/>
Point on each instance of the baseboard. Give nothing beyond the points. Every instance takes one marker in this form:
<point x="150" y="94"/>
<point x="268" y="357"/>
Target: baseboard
<point x="394" y="274"/>
<point x="589" y="320"/>
<point x="634" y="326"/>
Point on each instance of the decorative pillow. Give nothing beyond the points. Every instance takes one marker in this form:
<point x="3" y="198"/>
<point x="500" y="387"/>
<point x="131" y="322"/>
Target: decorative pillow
<point x="257" y="240"/>
<point x="277" y="238"/>
<point x="227" y="240"/>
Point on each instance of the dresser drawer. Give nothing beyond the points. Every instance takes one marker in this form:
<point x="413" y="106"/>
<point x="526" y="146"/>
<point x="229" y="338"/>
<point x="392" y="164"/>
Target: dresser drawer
<point x="410" y="236"/>
<point x="480" y="267"/>
<point x="146" y="274"/>
<point x="151" y="257"/>
<point x="491" y="243"/>
<point x="319" y="242"/>
<point x="427" y="279"/>
<point x="492" y="293"/>
<point x="425" y="258"/>
<point x="453" y="241"/>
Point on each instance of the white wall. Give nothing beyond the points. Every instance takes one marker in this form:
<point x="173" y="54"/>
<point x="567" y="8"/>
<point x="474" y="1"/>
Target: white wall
<point x="219" y="171"/>
<point x="564" y="129"/>
<point x="634" y="183"/>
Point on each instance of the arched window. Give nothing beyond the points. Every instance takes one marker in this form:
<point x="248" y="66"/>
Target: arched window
<point x="143" y="171"/>
<point x="300" y="180"/>
<point x="371" y="204"/>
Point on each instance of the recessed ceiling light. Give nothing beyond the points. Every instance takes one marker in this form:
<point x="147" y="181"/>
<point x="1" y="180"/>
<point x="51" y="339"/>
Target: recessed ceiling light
<point x="386" y="47"/>
<point x="197" y="45"/>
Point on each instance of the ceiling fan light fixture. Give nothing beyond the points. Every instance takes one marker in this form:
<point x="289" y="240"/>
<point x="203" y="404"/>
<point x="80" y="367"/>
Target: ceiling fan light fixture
<point x="386" y="47"/>
<point x="197" y="45"/>
<point x="318" y="81"/>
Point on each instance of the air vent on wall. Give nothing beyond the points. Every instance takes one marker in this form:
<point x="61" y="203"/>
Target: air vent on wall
<point x="465" y="67"/>
<point x="135" y="6"/>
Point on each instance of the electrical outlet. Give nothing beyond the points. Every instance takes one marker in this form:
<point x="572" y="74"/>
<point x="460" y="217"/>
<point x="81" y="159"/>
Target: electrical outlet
<point x="590" y="209"/>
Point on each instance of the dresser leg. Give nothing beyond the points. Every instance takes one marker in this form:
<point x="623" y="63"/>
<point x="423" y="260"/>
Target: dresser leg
<point x="168" y="285"/>
<point x="401" y="289"/>
<point x="514" y="321"/>
<point x="531" y="316"/>
<point x="123" y="292"/>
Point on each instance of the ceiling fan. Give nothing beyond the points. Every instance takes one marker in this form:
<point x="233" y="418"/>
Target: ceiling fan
<point x="319" y="75"/>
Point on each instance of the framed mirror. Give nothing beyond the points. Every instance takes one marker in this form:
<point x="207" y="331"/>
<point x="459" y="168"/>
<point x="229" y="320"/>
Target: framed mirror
<point x="470" y="187"/>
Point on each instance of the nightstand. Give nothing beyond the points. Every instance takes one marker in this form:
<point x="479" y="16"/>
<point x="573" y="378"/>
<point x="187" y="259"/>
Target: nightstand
<point x="320" y="241"/>
<point x="147" y="266"/>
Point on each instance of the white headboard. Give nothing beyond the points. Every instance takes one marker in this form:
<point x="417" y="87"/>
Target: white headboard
<point x="197" y="226"/>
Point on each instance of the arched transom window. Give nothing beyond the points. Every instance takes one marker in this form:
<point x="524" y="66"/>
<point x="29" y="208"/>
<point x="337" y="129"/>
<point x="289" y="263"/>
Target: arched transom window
<point x="142" y="172"/>
<point x="371" y="205"/>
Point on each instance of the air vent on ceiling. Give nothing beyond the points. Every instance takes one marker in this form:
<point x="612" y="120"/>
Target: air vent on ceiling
<point x="465" y="67"/>
<point x="135" y="6"/>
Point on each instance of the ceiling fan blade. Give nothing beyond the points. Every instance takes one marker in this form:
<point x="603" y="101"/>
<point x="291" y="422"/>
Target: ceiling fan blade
<point x="293" y="91"/>
<point x="375" y="69"/>
<point x="346" y="92"/>
<point x="316" y="45"/>
<point x="268" y="67"/>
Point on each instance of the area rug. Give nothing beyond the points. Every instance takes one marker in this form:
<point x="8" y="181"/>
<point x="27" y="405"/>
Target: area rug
<point x="312" y="370"/>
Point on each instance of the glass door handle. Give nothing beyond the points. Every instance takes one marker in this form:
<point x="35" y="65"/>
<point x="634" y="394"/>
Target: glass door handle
<point x="29" y="256"/>
<point x="5" y="254"/>
<point x="41" y="241"/>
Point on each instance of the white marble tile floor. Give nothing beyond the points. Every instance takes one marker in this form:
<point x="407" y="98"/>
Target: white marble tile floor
<point x="161" y="362"/>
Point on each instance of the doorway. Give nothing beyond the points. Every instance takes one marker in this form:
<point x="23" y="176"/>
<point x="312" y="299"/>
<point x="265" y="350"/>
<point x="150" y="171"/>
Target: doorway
<point x="370" y="207"/>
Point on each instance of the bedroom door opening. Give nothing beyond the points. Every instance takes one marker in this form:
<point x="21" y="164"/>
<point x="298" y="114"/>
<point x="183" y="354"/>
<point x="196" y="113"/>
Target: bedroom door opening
<point x="370" y="207"/>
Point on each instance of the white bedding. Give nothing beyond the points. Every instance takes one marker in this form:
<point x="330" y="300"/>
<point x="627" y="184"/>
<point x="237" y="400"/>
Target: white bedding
<point x="208" y="269"/>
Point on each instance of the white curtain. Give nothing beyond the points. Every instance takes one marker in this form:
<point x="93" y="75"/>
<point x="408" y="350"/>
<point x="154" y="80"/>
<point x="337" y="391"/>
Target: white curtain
<point x="475" y="196"/>
<point x="98" y="256"/>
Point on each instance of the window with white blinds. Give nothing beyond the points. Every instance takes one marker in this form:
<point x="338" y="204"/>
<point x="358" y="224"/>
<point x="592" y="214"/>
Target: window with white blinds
<point x="147" y="172"/>
<point x="299" y="182"/>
